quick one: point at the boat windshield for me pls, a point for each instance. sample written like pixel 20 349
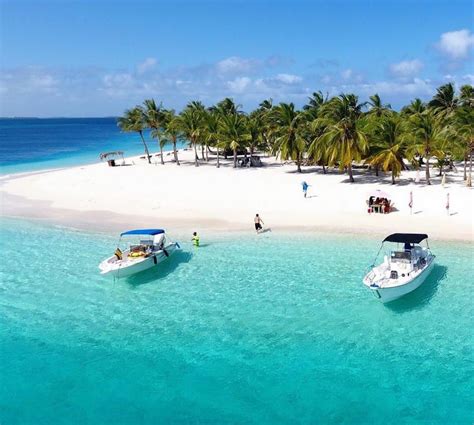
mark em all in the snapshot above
pixel 400 256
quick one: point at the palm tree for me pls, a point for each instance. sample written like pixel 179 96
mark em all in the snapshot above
pixel 211 133
pixel 318 151
pixel 171 130
pixel 153 118
pixel 426 132
pixel 466 96
pixel 132 121
pixel 289 142
pixel 416 106
pixel 233 132
pixel 315 102
pixel 377 108
pixel 445 100
pixel 463 129
pixel 345 137
pixel 255 130
pixel 190 122
pixel 388 146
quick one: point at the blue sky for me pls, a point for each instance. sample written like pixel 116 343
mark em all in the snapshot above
pixel 96 58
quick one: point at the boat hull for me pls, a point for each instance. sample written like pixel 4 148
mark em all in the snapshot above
pixel 132 267
pixel 393 293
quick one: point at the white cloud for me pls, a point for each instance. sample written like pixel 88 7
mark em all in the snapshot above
pixel 456 45
pixel 239 84
pixel 406 69
pixel 288 78
pixel 147 65
pixel 235 64
pixel 350 75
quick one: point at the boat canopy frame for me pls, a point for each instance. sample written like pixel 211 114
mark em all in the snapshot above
pixel 147 232
pixel 406 237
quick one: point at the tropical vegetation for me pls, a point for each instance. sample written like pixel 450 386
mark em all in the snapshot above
pixel 340 131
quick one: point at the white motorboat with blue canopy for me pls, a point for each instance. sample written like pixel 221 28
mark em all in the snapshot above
pixel 152 248
pixel 403 269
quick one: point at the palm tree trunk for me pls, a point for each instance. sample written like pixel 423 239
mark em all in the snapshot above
pixel 202 152
pixel 175 152
pixel 465 167
pixel 377 170
pixel 218 161
pixel 147 153
pixel 393 176
pixel 207 153
pixel 196 163
pixel 427 172
pixel 324 169
pixel 161 155
pixel 470 168
pixel 298 164
pixel 349 170
pixel 235 158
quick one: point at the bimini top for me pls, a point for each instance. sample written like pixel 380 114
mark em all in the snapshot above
pixel 143 232
pixel 406 237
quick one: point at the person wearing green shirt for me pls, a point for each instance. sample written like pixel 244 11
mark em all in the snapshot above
pixel 195 239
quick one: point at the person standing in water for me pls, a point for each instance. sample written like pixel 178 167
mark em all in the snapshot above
pixel 195 239
pixel 258 223
pixel 305 188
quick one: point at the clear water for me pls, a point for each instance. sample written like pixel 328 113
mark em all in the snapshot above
pixel 246 329
pixel 30 144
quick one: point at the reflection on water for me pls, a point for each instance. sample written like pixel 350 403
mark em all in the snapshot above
pixel 422 295
pixel 163 269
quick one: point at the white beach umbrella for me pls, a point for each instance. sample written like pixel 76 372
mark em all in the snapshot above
pixel 379 194
pixel 443 180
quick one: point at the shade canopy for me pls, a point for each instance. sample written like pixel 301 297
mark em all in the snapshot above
pixel 105 155
pixel 143 232
pixel 406 237
pixel 377 193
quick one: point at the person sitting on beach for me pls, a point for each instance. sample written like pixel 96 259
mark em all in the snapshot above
pixel 195 239
pixel 386 206
pixel 258 223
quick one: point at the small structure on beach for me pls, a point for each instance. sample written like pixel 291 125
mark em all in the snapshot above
pixel 111 157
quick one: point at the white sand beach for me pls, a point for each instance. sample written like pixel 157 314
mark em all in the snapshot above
pixel 205 198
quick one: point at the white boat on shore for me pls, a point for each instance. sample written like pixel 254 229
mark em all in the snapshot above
pixel 153 248
pixel 403 270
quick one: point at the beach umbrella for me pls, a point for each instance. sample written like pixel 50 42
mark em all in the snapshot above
pixel 410 204
pixel 447 203
pixel 417 178
pixel 379 194
pixel 443 180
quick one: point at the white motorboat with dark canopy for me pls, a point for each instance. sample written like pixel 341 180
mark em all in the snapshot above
pixel 403 270
pixel 153 247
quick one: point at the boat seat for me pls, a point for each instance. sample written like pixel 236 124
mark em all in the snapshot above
pixel 158 240
pixel 393 274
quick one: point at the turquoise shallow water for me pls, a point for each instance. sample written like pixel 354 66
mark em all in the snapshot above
pixel 246 329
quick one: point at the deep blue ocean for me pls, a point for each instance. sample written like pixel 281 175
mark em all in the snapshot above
pixel 29 144
pixel 246 329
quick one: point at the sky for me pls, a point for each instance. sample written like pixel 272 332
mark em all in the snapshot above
pixel 98 57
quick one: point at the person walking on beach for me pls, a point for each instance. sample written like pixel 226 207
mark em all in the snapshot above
pixel 195 239
pixel 258 223
pixel 305 188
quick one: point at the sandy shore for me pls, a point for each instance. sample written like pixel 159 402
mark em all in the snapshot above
pixel 187 198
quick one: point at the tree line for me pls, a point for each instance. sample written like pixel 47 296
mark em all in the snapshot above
pixel 327 131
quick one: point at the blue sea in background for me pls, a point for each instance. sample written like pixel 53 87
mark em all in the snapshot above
pixel 30 144
pixel 246 329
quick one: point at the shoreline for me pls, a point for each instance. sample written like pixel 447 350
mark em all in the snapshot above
pixel 206 199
